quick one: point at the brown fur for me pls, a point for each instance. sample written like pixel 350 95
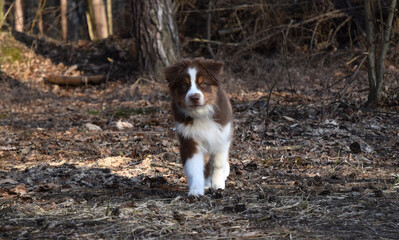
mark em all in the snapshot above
pixel 209 72
pixel 188 147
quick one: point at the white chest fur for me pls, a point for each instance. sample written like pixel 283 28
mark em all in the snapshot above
pixel 211 136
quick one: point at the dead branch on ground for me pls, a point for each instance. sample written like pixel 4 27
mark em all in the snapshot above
pixel 75 81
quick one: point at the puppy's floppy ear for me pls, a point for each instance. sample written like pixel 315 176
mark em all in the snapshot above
pixel 171 72
pixel 212 67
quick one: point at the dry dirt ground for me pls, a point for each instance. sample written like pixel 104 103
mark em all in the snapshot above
pixel 101 162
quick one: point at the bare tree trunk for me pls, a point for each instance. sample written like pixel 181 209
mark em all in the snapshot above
pixel 73 21
pixel 89 26
pixel 42 4
pixel 64 19
pixel 109 15
pixel 100 18
pixel 19 16
pixel 377 50
pixel 156 36
pixel 1 12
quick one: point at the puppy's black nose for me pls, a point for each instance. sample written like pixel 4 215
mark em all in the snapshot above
pixel 195 98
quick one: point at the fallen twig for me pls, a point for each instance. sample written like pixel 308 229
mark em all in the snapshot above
pixel 142 79
pixel 282 148
pixel 285 207
pixel 75 81
pixel 70 69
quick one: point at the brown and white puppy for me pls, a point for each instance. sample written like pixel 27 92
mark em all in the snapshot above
pixel 204 122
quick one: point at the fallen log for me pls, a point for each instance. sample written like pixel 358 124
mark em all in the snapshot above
pixel 75 81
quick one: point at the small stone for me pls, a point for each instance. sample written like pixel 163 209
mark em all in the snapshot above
pixel 355 147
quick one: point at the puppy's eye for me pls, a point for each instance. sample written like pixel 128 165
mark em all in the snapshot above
pixel 201 81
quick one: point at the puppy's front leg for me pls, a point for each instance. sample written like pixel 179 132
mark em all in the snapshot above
pixel 221 169
pixel 193 163
pixel 194 170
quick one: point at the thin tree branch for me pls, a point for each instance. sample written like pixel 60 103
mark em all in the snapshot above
pixel 348 83
pixel 215 42
pixel 385 44
pixel 208 29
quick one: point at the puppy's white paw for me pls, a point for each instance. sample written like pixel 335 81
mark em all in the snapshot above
pixel 196 191
pixel 218 183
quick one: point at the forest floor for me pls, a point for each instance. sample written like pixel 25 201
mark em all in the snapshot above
pixel 102 162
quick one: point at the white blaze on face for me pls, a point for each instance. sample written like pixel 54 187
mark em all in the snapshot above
pixel 193 88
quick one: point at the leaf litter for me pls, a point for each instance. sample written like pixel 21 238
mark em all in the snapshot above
pixel 102 162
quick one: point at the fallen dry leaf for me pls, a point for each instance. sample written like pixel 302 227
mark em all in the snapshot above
pixel 92 127
pixel 20 190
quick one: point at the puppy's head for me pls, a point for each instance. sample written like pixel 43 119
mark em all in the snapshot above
pixel 194 83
